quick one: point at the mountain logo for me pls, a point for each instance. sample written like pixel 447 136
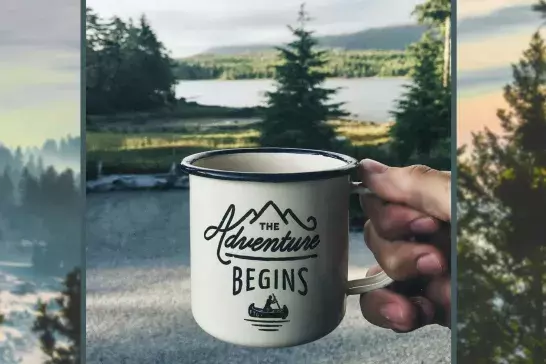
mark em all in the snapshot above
pixel 230 234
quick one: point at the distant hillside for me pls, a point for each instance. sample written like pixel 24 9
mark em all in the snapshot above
pixel 387 38
pixel 261 65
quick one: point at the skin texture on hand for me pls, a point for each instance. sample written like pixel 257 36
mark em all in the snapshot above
pixel 408 232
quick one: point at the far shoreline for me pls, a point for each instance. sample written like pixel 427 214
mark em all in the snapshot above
pixel 271 79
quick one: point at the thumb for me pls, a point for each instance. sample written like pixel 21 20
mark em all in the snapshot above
pixel 419 187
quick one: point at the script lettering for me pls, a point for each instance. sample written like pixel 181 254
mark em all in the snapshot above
pixel 231 235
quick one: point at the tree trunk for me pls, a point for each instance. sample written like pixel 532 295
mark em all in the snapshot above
pixel 447 51
pixel 538 350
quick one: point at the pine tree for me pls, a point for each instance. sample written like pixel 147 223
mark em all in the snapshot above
pixel 29 189
pixel 502 239
pixel 541 8
pixel 422 128
pixel 298 109
pixel 7 198
pixel 18 160
pixel 66 323
pixel 438 14
pixel 157 64
pixel 127 67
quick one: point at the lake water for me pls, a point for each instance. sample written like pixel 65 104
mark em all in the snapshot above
pixel 369 99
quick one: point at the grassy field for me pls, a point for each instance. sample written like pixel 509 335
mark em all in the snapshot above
pixel 152 147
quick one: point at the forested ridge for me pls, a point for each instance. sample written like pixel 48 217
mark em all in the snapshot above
pixel 259 65
pixel 41 204
pixel 396 37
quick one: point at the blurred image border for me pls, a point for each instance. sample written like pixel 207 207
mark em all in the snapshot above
pixel 454 180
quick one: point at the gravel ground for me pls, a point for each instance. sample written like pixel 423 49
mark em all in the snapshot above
pixel 138 297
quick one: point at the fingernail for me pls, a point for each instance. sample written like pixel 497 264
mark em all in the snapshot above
pixel 373 166
pixel 392 313
pixel 429 265
pixel 423 225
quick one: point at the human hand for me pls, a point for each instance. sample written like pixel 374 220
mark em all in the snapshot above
pixel 408 232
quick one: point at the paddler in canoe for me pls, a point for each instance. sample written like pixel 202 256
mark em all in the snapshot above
pixel 267 311
pixel 270 300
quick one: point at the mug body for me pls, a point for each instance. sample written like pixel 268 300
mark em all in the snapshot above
pixel 269 258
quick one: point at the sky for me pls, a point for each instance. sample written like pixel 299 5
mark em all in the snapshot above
pixel 485 55
pixel 503 31
pixel 189 27
pixel 39 71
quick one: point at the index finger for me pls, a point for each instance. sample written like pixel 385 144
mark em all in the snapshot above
pixel 395 221
pixel 420 187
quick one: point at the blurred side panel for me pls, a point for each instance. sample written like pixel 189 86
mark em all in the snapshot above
pixel 501 182
pixel 40 185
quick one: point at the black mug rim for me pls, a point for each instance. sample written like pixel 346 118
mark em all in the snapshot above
pixel 191 169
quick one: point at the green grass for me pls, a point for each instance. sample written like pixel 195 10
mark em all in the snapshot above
pixel 148 149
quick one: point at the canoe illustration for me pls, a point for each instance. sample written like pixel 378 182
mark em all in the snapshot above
pixel 267 311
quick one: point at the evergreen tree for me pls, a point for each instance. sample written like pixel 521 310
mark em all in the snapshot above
pixel 422 128
pixel 6 189
pixel 438 14
pixel 128 68
pixel 299 107
pixel 502 250
pixel 541 8
pixel 50 147
pixel 41 167
pixel 19 160
pixel 31 166
pixel 66 323
pixel 30 192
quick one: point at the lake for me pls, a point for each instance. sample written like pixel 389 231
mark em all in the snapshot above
pixel 368 99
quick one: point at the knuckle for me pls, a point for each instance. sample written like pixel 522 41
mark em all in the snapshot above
pixel 385 228
pixel 393 222
pixel 419 169
pixel 391 266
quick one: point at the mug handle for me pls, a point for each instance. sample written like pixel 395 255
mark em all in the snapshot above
pixel 377 281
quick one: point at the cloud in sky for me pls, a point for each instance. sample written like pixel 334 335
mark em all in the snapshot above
pixel 467 8
pixel 190 27
pixel 39 70
pixel 493 38
pixel 484 59
pixel 498 21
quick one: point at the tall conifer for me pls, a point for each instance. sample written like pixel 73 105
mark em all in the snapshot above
pixel 298 109
pixel 502 238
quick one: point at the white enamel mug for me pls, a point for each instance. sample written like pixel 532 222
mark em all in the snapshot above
pixel 269 244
